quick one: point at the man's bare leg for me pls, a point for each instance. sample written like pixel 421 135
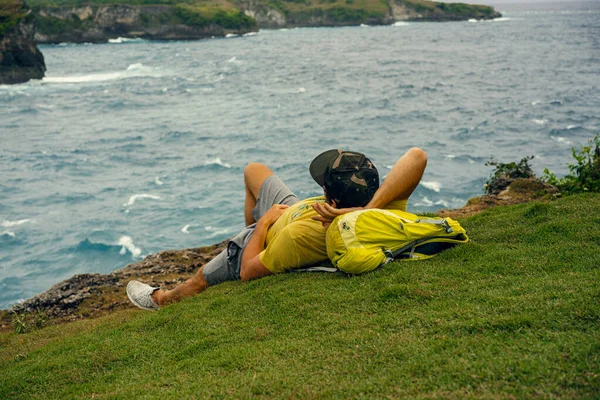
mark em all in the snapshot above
pixel 192 286
pixel 402 180
pixel 254 176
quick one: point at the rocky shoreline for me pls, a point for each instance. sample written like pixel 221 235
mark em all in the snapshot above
pixel 20 59
pixel 97 23
pixel 93 295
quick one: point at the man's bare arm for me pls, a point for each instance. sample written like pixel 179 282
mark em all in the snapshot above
pixel 251 267
pixel 398 185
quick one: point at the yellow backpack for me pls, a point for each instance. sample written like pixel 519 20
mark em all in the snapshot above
pixel 363 240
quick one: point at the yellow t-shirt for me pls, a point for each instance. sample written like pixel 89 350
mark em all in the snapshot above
pixel 295 240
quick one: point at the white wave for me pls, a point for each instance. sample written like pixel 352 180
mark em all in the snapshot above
pixel 128 245
pixel 472 20
pixel 8 233
pixel 540 121
pixel 219 232
pixel 185 229
pixel 400 23
pixel 450 156
pixel 136 66
pixel 232 60
pixel 471 161
pixel 573 127
pixel 428 203
pixel 124 40
pixel 301 90
pixel 158 181
pixel 134 70
pixel 230 35
pixel 535 103
pixel 10 224
pixel 432 185
pixel 251 34
pixel 283 30
pixel 217 161
pixel 561 140
pixel 364 26
pixel 501 19
pixel 136 197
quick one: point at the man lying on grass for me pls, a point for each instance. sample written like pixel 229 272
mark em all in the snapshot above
pixel 283 233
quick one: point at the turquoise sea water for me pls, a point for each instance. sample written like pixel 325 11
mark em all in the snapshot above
pixel 132 147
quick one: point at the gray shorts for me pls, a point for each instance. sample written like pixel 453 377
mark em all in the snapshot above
pixel 226 266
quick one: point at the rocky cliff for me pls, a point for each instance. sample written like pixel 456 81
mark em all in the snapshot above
pixel 94 295
pixel 20 59
pixel 99 22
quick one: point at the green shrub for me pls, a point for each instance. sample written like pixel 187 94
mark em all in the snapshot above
pixel 503 174
pixel 227 19
pixel 584 174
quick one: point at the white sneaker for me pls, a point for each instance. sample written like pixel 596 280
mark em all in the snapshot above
pixel 140 294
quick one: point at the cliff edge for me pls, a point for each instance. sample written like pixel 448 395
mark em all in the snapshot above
pixel 20 59
pixel 97 21
pixel 93 295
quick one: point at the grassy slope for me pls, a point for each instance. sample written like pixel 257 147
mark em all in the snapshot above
pixel 514 314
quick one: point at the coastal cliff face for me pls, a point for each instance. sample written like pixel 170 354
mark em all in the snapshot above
pixel 20 59
pixel 96 23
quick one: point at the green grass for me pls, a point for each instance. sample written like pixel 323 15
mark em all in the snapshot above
pixel 514 314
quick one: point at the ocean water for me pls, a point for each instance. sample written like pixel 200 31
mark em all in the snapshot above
pixel 132 147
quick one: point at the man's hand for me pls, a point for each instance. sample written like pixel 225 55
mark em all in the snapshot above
pixel 273 214
pixel 327 213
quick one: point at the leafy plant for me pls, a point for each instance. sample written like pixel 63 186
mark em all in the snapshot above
pixel 584 174
pixel 39 319
pixel 19 323
pixel 503 174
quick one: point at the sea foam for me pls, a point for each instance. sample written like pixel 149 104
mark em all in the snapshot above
pixel 560 139
pixel 10 224
pixel 432 185
pixel 425 201
pixel 217 161
pixel 124 40
pixel 185 229
pixel 133 70
pixel 128 245
pixel 136 197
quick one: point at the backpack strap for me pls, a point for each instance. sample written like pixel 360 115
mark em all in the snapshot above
pixel 442 222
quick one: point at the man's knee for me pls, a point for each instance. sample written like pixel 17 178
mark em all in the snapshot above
pixel 254 176
pixel 418 154
pixel 256 169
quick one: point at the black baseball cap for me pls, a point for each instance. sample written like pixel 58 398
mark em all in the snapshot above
pixel 348 177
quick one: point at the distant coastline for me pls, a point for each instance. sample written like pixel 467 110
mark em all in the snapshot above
pixel 71 21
